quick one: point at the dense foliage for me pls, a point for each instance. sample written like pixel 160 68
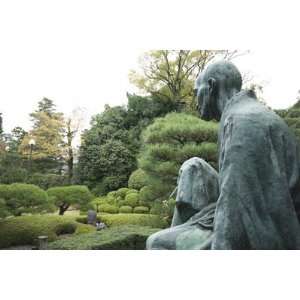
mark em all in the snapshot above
pixel 18 198
pixel 108 152
pixel 168 142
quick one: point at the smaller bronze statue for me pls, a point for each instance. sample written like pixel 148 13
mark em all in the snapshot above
pixel 192 223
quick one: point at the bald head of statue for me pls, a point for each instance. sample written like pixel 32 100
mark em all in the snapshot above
pixel 215 86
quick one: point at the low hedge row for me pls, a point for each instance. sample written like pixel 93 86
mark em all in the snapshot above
pixel 24 230
pixel 128 237
pixel 120 219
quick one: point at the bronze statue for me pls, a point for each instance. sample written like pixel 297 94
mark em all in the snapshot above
pixel 259 179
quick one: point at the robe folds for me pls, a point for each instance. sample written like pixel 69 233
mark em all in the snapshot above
pixel 259 179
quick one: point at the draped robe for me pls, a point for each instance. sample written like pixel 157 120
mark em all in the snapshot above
pixel 259 179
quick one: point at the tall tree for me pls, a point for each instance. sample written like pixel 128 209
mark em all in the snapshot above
pixel 170 74
pixel 48 133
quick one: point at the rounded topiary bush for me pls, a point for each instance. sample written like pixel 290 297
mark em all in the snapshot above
pixel 130 191
pixel 147 194
pixel 107 208
pixel 125 209
pixel 122 192
pixel 24 198
pixel 132 200
pixel 138 179
pixel 65 228
pixel 141 210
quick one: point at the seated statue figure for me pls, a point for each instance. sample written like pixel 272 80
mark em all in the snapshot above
pixel 254 200
pixel 192 223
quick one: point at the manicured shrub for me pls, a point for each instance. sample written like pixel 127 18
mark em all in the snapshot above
pixel 134 219
pixel 132 199
pixel 112 194
pixel 25 198
pixel 130 191
pixel 66 196
pixel 111 220
pixel 24 230
pixel 125 209
pixel 107 208
pixel 122 192
pixel 138 179
pixel 141 210
pixel 168 142
pixel 127 237
pixel 96 202
pixel 65 228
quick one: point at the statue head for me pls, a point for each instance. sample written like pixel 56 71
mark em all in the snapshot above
pixel 215 86
pixel 198 186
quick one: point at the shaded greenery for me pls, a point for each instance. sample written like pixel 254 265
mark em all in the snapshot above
pixel 24 230
pixel 116 238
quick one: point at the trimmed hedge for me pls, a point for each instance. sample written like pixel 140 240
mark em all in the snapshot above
pixel 117 238
pixel 112 220
pixel 24 230
pixel 125 209
pixel 141 210
pixel 107 208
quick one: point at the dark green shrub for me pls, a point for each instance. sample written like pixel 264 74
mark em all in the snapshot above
pixel 148 194
pixel 125 209
pixel 107 208
pixel 131 199
pixel 137 179
pixel 24 230
pixel 66 196
pixel 141 210
pixel 127 237
pixel 168 142
pixel 25 198
pixel 65 228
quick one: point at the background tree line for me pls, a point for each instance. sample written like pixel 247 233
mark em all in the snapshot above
pixel 142 143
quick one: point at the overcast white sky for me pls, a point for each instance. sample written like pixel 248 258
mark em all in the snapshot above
pixel 71 53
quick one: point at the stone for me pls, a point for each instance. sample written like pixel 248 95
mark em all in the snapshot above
pixel 91 217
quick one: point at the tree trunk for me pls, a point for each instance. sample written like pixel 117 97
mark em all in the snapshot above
pixel 62 209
